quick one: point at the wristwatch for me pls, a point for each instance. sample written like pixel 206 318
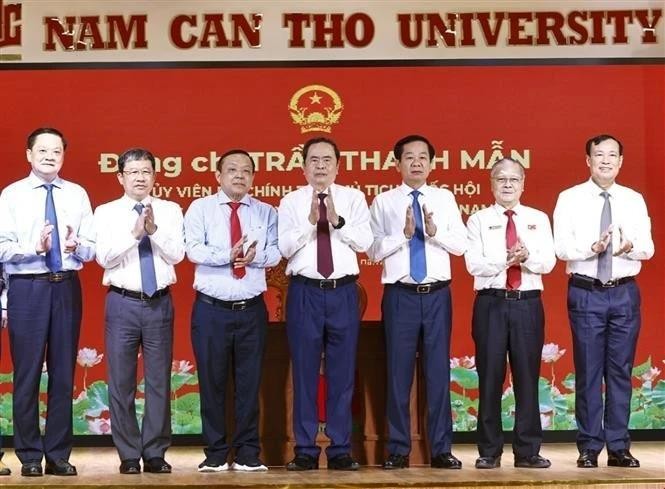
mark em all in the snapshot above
pixel 340 222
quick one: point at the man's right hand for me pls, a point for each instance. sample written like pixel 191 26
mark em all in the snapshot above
pixel 236 251
pixel 45 239
pixel 139 226
pixel 603 242
pixel 314 208
pixel 409 223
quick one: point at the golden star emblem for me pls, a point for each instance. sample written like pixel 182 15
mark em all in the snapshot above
pixel 315 99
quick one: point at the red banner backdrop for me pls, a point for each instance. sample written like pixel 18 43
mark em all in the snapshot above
pixel 540 114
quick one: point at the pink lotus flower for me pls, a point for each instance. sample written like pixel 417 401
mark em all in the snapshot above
pixel 551 353
pixel 546 420
pixel 650 375
pixel 100 426
pixel 181 366
pixel 464 362
pixel 88 357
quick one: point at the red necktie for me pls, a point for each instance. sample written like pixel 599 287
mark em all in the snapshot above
pixel 236 235
pixel 324 261
pixel 514 273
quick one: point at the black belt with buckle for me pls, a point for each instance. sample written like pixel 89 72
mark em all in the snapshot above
pixel 140 296
pixel 326 283
pixel 589 283
pixel 232 305
pixel 422 288
pixel 49 276
pixel 511 295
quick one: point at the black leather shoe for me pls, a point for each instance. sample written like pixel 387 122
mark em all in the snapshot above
pixel 343 462
pixel 621 458
pixel 395 461
pixel 31 469
pixel 532 462
pixel 445 461
pixel 588 459
pixel 60 467
pixel 488 462
pixel 156 465
pixel 303 462
pixel 130 466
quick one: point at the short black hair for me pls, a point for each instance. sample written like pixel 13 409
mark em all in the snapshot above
pixel 135 154
pixel 398 150
pixel 596 140
pixel 313 141
pixel 235 152
pixel 45 130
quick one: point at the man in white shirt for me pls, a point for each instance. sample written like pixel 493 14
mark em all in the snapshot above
pixel 4 470
pixel 510 247
pixel 603 232
pixel 232 239
pixel 415 228
pixel 46 234
pixel 140 239
pixel 321 228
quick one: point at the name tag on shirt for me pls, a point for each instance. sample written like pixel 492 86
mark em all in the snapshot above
pixel 497 226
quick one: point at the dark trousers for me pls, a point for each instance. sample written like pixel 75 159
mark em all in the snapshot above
pixel 132 324
pixel 605 324
pixel 224 338
pixel 514 327
pixel 44 322
pixel 408 317
pixel 322 320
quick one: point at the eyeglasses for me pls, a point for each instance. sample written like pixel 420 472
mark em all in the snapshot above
pixel 136 173
pixel 511 181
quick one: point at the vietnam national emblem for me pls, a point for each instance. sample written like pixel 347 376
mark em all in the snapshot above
pixel 315 108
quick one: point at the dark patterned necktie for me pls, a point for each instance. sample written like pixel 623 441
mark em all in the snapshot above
pixel 324 260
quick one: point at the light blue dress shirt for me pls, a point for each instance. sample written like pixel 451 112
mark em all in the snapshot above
pixel 22 217
pixel 208 245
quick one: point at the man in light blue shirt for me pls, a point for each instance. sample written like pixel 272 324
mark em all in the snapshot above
pixel 232 239
pixel 46 233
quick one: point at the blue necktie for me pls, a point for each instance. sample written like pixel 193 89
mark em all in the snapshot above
pixel 148 277
pixel 418 268
pixel 53 256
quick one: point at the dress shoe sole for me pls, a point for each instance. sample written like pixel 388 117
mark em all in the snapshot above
pixel 31 474
pixel 617 463
pixel 62 474
pixel 530 466
pixel 484 466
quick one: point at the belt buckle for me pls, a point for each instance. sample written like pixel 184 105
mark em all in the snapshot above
pixel 610 283
pixel 56 277
pixel 513 295
pixel 239 306
pixel 423 288
pixel 328 283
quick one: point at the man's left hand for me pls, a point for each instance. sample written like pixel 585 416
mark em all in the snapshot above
pixel 331 213
pixel 430 227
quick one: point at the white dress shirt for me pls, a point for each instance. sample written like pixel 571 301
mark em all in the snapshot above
pixel 487 253
pixel 118 250
pixel 22 217
pixel 577 228
pixel 390 245
pixel 297 236
pixel 208 243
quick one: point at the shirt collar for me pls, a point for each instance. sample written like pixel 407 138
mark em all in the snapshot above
pixel 501 209
pixel 406 190
pixel 36 182
pixel 129 202
pixel 595 190
pixel 324 191
pixel 224 199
